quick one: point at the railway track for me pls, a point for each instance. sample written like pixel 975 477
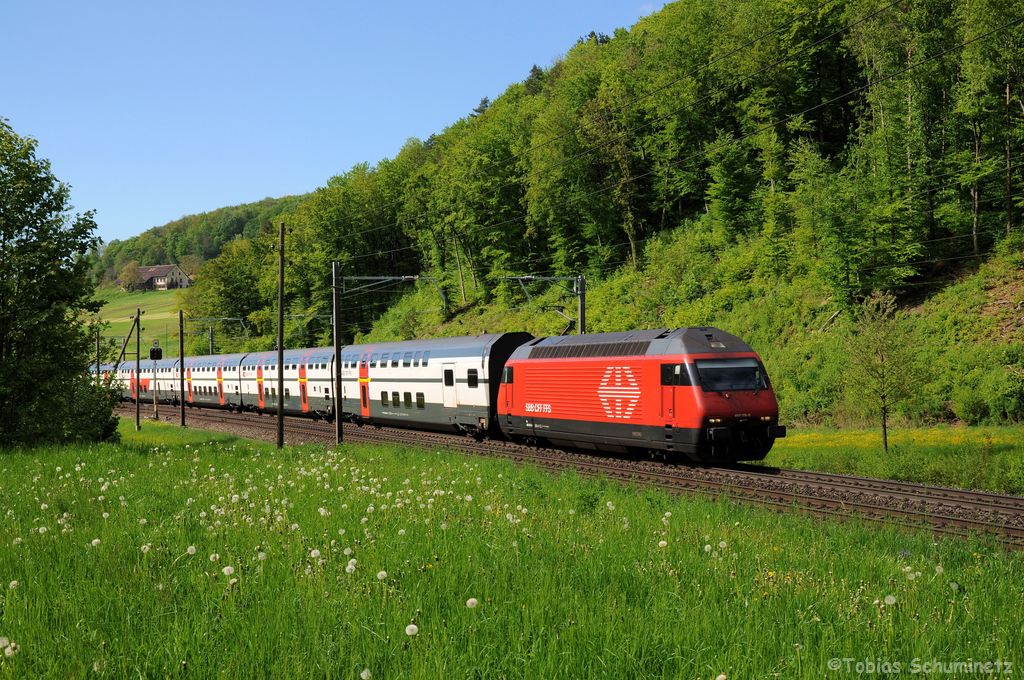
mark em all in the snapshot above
pixel 950 512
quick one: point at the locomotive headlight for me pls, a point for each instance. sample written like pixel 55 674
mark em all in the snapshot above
pixel 766 418
pixel 714 420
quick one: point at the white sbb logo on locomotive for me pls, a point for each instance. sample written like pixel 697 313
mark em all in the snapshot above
pixel 618 392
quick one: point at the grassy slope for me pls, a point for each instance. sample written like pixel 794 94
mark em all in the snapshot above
pixel 569 574
pixel 159 319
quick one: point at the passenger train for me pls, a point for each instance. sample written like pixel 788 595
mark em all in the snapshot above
pixel 695 392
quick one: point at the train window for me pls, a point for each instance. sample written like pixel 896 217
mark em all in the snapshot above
pixel 449 377
pixel 384 399
pixel 408 399
pixel 373 360
pixel 384 360
pixel 394 399
pixel 471 378
pixel 394 360
pixel 287 393
pixel 407 359
pixel 273 391
pixel 682 376
pixel 506 375
pixel 420 401
pixel 426 359
pixel 667 375
pixel 416 358
pixel 266 391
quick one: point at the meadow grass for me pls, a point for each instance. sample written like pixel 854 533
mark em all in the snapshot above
pixel 989 458
pixel 572 577
pixel 159 321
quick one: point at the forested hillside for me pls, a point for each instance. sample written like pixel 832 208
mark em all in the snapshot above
pixel 191 240
pixel 757 165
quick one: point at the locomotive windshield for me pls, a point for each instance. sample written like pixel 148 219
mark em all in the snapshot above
pixel 728 375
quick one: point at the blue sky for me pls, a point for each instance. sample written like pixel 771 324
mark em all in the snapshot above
pixel 152 111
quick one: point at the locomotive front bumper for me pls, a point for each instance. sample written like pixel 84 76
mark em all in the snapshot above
pixel 743 432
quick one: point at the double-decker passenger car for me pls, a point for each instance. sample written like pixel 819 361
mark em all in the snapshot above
pixel 699 391
pixel 441 384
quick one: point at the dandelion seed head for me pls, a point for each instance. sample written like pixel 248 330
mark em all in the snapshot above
pixel 954 585
pixel 890 600
pixel 95 542
pixel 314 553
pixel 145 548
pixel 261 556
pixel 707 547
pixel 723 545
pixel 214 557
pixel 366 674
pixel 412 629
pixel 401 532
pixel 350 569
pixel 13 585
pixel 471 603
pixel 938 569
pixel 191 550
pixel 228 570
pixel 662 544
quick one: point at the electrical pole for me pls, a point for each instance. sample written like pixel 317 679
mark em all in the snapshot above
pixel 579 289
pixel 280 339
pixel 336 328
pixel 138 369
pixel 581 292
pixel 181 363
pixel 211 340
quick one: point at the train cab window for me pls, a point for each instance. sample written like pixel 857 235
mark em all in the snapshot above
pixel 449 377
pixel 384 399
pixel 394 399
pixel 471 378
pixel 506 375
pixel 408 399
pixel 373 360
pixel 426 359
pixel 416 359
pixel 674 374
pixel 384 360
pixel 421 402
pixel 407 359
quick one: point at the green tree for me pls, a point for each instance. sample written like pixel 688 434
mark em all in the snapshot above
pixel 45 291
pixel 880 372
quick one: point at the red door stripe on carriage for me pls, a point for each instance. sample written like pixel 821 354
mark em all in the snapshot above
pixel 259 386
pixel 303 395
pixel 220 385
pixel 364 385
pixel 188 379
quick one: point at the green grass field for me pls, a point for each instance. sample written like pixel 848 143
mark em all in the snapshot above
pixel 159 320
pixel 186 553
pixel 989 458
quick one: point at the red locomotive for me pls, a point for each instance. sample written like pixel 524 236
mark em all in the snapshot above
pixel 697 391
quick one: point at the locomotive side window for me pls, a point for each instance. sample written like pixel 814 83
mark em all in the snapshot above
pixel 506 375
pixel 471 378
pixel 666 374
pixel 674 374
pixel 449 377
